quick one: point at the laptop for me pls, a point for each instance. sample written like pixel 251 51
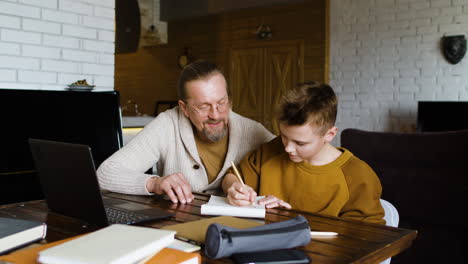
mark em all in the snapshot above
pixel 70 186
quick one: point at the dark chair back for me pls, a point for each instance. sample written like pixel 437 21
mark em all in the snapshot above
pixel 425 176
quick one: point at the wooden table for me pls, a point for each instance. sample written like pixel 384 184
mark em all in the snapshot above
pixel 357 242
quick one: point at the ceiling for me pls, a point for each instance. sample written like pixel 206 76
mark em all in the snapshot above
pixel 172 10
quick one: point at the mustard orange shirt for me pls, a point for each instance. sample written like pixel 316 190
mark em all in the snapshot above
pixel 346 187
pixel 212 155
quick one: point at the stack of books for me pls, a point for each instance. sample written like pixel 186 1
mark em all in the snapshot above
pixel 15 233
pixel 115 244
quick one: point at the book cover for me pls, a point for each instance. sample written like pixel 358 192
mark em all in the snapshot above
pixel 174 256
pixel 29 255
pixel 15 233
pixel 184 246
pixel 116 244
pixel 195 231
pixel 218 205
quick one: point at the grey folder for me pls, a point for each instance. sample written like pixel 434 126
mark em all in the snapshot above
pixel 70 186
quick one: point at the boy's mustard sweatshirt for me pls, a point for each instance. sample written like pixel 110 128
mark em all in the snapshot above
pixel 346 187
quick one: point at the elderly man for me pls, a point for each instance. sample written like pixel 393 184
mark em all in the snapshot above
pixel 192 145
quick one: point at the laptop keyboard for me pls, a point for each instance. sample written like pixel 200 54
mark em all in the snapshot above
pixel 119 216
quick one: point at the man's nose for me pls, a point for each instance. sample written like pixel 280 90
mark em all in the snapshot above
pixel 213 113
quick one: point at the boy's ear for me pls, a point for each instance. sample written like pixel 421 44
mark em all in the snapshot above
pixel 330 134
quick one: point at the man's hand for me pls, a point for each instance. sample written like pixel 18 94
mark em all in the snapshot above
pixel 271 201
pixel 174 185
pixel 241 195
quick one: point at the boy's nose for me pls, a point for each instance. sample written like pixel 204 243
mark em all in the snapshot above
pixel 288 148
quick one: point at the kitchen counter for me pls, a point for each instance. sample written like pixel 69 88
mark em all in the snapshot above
pixel 132 125
pixel 136 121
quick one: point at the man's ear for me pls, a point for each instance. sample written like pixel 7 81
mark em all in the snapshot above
pixel 183 106
pixel 330 134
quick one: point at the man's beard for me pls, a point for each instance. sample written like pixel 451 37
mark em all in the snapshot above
pixel 217 134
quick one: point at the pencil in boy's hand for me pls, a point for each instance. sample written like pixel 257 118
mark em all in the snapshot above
pixel 237 173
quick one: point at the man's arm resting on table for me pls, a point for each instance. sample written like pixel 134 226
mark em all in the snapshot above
pixel 174 185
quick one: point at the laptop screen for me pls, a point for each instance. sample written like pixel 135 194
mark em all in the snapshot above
pixel 70 185
pixel 68 179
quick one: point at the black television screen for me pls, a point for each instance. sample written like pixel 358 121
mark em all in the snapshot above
pixel 442 116
pixel 90 118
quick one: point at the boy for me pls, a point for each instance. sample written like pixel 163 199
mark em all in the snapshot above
pixel 300 169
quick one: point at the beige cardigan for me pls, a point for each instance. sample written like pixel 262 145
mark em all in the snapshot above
pixel 168 141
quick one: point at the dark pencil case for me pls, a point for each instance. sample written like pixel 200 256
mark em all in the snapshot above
pixel 223 241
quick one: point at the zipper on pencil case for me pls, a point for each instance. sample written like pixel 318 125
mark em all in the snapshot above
pixel 227 234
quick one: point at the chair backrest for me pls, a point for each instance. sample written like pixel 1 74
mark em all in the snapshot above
pixel 420 172
pixel 391 213
pixel 425 176
pixel 391 217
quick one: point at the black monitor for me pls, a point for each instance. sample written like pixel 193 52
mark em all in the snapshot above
pixel 442 116
pixel 83 117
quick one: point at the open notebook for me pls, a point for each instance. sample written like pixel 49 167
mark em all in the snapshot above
pixel 218 205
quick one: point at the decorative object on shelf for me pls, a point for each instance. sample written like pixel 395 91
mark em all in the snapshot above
pixel 164 105
pixel 454 48
pixel 264 32
pixel 131 109
pixel 81 85
pixel 185 58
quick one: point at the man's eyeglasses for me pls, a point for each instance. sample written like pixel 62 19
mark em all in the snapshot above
pixel 204 110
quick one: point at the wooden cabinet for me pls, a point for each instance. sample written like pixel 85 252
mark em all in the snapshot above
pixel 260 74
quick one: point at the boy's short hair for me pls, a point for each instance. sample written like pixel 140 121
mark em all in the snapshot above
pixel 197 70
pixel 310 102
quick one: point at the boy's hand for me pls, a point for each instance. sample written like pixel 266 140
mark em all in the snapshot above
pixel 271 201
pixel 241 195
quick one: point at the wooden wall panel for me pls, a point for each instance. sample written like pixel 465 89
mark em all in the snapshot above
pixel 151 73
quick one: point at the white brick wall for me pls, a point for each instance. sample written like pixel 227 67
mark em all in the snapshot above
pixel 385 56
pixel 47 44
